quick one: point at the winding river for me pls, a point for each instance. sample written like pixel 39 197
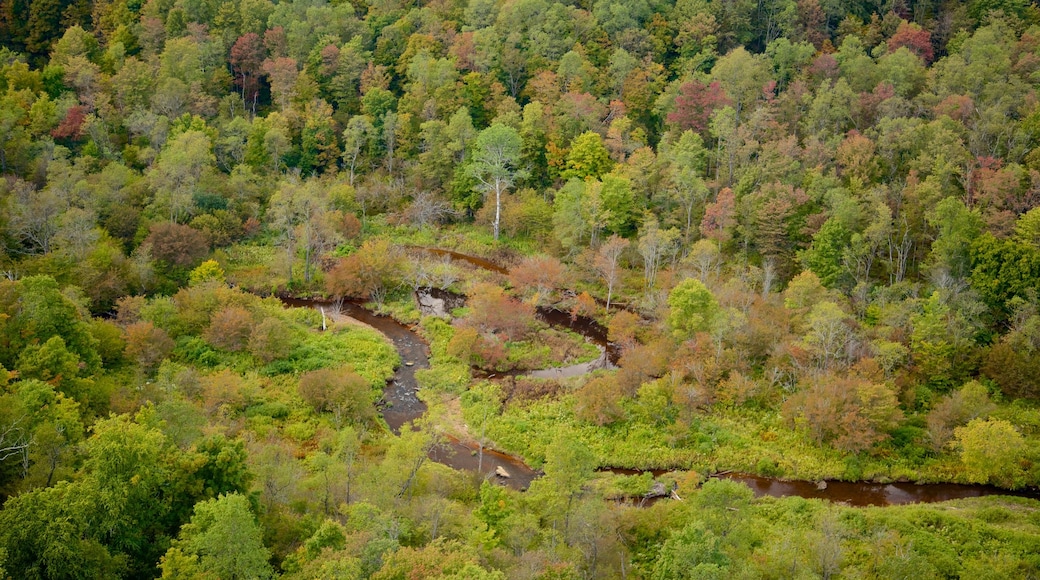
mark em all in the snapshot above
pixel 401 405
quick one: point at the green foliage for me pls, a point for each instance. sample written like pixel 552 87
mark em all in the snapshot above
pixel 224 536
pixel 958 228
pixel 991 451
pixel 206 272
pixel 693 309
pixel 825 256
pixel 136 135
pixel 587 158
pixel 1003 271
pixel 363 350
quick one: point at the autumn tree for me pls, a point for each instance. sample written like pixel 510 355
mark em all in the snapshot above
pixel 371 271
pixel 230 328
pixel 147 344
pixel 270 340
pixel 492 311
pixel 342 392
pixel 694 105
pixel 247 56
pixel 956 409
pixel 852 414
pixel 538 276
pixel 176 245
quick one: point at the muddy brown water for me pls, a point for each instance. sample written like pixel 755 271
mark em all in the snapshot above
pixel 861 494
pixel 401 404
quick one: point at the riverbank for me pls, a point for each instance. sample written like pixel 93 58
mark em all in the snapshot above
pixel 402 404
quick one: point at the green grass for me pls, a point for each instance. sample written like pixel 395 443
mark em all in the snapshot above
pixel 363 349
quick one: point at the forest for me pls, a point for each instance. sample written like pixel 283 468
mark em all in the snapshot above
pixel 533 289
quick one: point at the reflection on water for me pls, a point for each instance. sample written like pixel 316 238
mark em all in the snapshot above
pixel 865 493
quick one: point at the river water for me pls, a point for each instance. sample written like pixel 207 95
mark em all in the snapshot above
pixel 401 404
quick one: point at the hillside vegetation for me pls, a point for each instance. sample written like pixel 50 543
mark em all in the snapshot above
pixel 810 230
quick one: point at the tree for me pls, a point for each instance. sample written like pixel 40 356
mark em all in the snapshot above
pixel 230 328
pixel 356 138
pixel 694 105
pixel 912 36
pixel 38 311
pixel 35 215
pixel 825 256
pixel 830 336
pixel 687 162
pixel 342 392
pixel 496 155
pixel 370 272
pixel 319 148
pixel 693 553
pixel 991 450
pixel 956 409
pixel 282 72
pixel 957 227
pixel 743 77
pixel 177 175
pixel 176 245
pixel 147 344
pixel 851 414
pixel 300 212
pixel 208 271
pixel 247 56
pixel 271 340
pixel 226 540
pixel 1003 272
pixel 607 262
pixel 693 309
pixel 538 276
pixel 568 465
pixel 655 245
pixel 588 157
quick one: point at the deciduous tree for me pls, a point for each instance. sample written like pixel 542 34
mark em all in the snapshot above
pixel 496 157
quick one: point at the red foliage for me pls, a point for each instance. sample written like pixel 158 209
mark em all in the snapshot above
pixel 642 363
pixel 491 311
pixel 250 227
pixel 147 344
pixel 329 59
pixel 1001 195
pixel 719 216
pixel 956 107
pixel 177 245
pixel 824 66
pixel 464 50
pixel 71 127
pixel 538 275
pixel 912 36
pixel 694 105
pixel 247 54
pixel 276 42
pixel 230 328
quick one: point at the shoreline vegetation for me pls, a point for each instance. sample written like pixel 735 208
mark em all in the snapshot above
pixel 641 289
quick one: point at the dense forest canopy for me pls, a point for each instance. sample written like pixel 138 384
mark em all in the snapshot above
pixel 810 230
